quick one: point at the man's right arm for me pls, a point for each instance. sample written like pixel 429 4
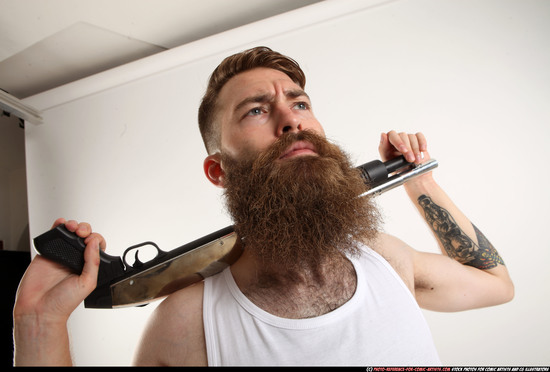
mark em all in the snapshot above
pixel 469 273
pixel 46 297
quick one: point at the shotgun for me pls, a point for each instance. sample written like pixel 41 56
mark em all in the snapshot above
pixel 122 284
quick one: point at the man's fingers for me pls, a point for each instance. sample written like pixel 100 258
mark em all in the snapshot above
pixel 83 230
pixel 401 142
pixel 411 146
pixel 88 278
pixel 422 143
pixel 100 239
pixel 71 225
pixel 415 148
pixel 58 222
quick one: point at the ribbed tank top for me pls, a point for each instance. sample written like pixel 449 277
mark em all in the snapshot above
pixel 381 325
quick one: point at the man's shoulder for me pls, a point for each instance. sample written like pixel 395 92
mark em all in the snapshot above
pixel 188 297
pixel 174 334
pixel 389 245
pixel 398 254
pixel 181 309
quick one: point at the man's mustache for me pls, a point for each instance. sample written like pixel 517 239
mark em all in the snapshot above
pixel 276 150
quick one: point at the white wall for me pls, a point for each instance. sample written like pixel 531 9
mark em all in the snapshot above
pixel 122 149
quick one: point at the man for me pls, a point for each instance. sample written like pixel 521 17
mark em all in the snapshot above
pixel 317 282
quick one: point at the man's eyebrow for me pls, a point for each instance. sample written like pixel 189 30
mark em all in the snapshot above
pixel 295 93
pixel 254 99
pixel 267 97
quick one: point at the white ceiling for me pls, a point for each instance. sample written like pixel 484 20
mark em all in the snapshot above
pixel 47 43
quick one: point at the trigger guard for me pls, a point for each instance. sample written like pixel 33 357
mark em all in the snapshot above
pixel 137 262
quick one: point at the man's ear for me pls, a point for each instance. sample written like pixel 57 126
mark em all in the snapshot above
pixel 213 169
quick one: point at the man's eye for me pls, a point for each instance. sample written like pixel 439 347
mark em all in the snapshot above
pixel 254 111
pixel 301 106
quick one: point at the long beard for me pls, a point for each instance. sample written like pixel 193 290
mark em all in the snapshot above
pixel 298 212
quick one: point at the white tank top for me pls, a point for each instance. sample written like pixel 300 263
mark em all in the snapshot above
pixel 381 325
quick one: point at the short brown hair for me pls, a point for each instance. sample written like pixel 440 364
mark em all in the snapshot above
pixel 231 66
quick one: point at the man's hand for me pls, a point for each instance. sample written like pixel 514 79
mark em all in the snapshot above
pixel 47 295
pixel 413 146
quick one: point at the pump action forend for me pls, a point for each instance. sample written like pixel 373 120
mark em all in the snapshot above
pixel 121 284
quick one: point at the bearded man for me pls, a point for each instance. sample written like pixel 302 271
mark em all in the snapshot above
pixel 317 282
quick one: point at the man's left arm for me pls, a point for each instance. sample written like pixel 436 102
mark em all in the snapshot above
pixel 476 275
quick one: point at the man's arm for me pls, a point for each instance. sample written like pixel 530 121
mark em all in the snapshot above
pixel 475 276
pixel 456 243
pixel 46 297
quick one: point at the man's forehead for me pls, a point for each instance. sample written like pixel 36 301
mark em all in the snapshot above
pixel 256 81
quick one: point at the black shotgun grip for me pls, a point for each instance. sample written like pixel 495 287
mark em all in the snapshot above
pixel 62 246
pixel 65 247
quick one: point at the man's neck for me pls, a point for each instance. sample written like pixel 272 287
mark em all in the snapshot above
pixel 296 294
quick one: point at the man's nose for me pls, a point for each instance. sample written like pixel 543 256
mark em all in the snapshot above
pixel 287 121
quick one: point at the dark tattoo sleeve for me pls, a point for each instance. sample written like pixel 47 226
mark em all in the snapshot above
pixel 456 243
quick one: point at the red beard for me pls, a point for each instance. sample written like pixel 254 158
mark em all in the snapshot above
pixel 298 212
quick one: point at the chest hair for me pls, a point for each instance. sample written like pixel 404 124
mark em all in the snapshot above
pixel 306 294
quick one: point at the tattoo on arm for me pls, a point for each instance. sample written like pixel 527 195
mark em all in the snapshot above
pixel 456 243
